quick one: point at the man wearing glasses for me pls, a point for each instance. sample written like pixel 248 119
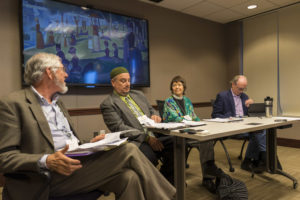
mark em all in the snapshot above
pixel 36 132
pixel 235 103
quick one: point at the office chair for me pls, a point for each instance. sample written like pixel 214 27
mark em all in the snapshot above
pixel 1 180
pixel 221 140
pixel 190 143
pixel 160 107
pixel 255 110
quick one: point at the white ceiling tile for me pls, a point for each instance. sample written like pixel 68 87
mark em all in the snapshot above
pixel 283 2
pixel 228 14
pixel 174 4
pixel 222 11
pixel 203 9
pixel 225 16
pixel 227 3
pixel 179 4
pixel 262 6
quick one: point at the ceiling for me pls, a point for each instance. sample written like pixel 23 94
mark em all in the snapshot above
pixel 222 11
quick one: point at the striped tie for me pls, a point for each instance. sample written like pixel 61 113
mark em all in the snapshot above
pixel 133 108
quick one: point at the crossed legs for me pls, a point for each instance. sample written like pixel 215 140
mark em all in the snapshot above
pixel 123 170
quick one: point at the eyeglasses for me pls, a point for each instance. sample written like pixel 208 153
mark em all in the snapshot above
pixel 62 68
pixel 241 89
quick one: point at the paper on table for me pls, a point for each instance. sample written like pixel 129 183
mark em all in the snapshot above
pixel 111 140
pixel 223 120
pixel 288 118
pixel 193 123
pixel 149 123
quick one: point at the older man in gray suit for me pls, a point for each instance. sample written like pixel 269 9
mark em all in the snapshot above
pixel 120 111
pixel 35 133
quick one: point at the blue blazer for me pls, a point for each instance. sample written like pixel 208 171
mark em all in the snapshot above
pixel 224 105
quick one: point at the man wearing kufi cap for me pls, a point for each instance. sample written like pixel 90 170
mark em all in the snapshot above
pixel 120 112
pixel 36 133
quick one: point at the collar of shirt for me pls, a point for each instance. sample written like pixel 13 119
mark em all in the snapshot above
pixel 42 99
pixel 234 94
pixel 115 92
pixel 123 97
pixel 238 105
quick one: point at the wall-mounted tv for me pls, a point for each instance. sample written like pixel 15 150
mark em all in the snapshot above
pixel 89 42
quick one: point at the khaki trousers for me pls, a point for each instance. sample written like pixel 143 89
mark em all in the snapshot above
pixel 123 170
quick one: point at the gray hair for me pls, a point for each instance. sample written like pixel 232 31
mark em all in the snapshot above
pixel 37 64
pixel 236 79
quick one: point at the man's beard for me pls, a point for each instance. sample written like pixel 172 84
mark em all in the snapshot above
pixel 61 85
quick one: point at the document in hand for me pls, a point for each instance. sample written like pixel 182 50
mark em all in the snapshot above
pixel 110 141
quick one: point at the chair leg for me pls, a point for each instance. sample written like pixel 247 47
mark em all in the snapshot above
pixel 215 141
pixel 242 150
pixel 231 169
pixel 188 150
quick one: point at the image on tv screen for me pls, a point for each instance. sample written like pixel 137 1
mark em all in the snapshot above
pixel 89 42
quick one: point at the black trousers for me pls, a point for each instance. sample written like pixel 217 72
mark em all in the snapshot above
pixel 166 156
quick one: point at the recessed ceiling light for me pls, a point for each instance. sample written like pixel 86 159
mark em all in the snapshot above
pixel 252 6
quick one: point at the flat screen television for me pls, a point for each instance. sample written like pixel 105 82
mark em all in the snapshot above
pixel 89 42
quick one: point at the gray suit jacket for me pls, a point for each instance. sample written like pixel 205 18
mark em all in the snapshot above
pixel 25 138
pixel 118 117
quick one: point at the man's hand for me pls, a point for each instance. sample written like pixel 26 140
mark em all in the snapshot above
pixel 248 102
pixel 98 137
pixel 62 164
pixel 156 118
pixel 155 144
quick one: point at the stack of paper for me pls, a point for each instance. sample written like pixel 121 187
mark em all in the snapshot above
pixel 193 123
pixel 149 123
pixel 111 140
pixel 223 120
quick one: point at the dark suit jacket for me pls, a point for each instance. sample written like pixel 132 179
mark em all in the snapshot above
pixel 118 117
pixel 224 105
pixel 25 138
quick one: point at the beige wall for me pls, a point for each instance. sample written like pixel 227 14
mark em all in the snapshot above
pixel 10 70
pixel 260 57
pixel 233 42
pixel 273 40
pixel 179 44
pixel 289 62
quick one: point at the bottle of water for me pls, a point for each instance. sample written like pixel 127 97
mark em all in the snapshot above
pixel 269 106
